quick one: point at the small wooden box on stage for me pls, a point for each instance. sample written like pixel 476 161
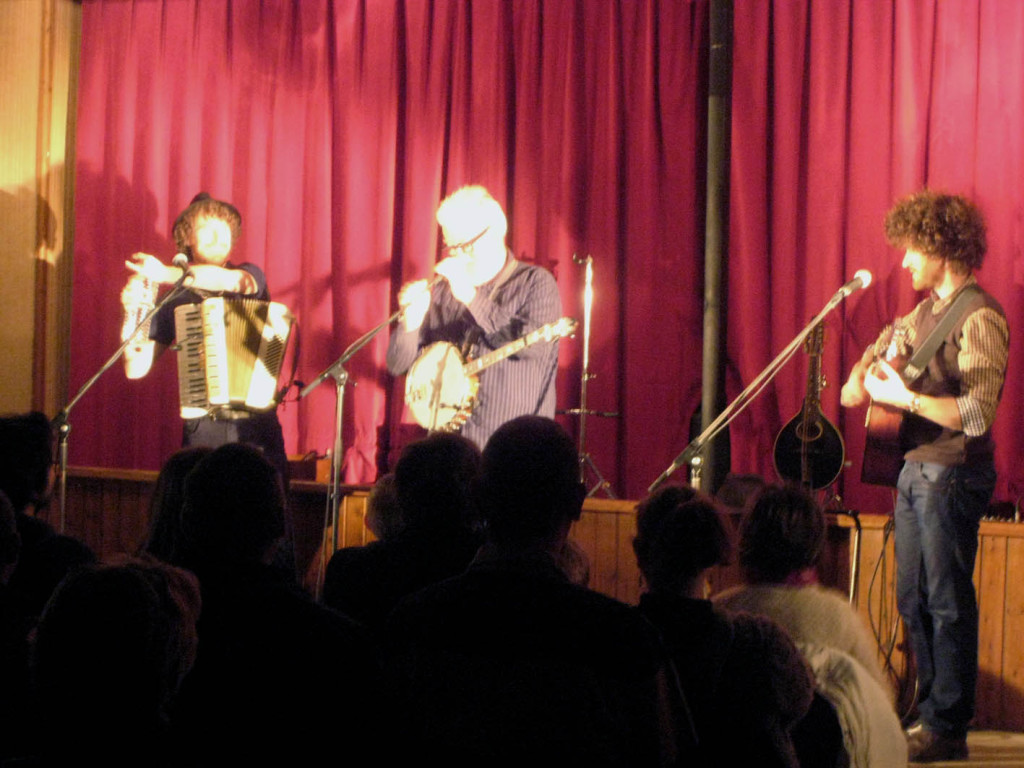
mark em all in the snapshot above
pixel 230 355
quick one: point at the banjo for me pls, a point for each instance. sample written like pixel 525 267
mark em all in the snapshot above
pixel 441 387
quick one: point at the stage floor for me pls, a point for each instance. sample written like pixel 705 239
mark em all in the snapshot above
pixel 992 749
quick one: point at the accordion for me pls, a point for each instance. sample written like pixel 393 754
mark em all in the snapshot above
pixel 230 353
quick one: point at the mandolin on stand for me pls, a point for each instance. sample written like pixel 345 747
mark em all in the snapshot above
pixel 809 449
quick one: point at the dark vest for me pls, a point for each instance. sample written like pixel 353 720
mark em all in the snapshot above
pixel 925 440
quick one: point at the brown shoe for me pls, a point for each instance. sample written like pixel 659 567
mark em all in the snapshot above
pixel 913 731
pixel 926 746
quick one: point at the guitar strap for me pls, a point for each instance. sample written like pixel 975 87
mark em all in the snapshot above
pixel 927 350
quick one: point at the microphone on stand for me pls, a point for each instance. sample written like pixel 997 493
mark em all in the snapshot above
pixel 861 279
pixel 180 261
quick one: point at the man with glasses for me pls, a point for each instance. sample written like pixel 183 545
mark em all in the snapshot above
pixel 486 300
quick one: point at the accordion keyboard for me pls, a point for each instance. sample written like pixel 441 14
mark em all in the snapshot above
pixel 241 346
pixel 188 328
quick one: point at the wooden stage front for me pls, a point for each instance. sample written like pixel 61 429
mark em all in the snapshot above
pixel 108 509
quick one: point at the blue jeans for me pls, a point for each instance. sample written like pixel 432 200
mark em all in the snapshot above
pixel 938 509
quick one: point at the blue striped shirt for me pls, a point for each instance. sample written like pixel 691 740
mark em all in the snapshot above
pixel 500 312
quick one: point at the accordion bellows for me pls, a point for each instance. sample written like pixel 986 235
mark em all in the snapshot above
pixel 230 353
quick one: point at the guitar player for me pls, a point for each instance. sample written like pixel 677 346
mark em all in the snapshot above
pixel 948 474
pixel 485 300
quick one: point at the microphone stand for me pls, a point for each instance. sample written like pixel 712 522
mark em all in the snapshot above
pixel 61 423
pixel 586 460
pixel 336 371
pixel 693 453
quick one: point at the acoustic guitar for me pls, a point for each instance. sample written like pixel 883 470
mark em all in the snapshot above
pixel 441 387
pixel 809 449
pixel 883 453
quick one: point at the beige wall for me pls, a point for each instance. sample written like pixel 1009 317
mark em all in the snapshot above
pixel 39 44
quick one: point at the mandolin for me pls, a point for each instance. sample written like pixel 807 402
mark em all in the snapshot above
pixel 809 449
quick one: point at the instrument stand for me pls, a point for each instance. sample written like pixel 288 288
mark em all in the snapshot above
pixel 61 422
pixel 586 460
pixel 336 371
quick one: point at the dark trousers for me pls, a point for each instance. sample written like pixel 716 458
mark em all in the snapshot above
pixel 938 509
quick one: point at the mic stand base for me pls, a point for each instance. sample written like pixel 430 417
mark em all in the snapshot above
pixel 600 484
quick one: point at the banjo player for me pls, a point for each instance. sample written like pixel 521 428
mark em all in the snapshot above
pixel 485 299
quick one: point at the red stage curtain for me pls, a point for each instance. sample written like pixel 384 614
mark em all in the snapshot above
pixel 838 109
pixel 335 127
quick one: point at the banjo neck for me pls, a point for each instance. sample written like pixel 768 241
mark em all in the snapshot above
pixel 562 327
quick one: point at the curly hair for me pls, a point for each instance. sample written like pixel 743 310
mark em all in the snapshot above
pixel 948 226
pixel 782 533
pixel 203 205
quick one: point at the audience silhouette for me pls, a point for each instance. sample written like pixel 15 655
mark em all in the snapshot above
pixel 26 476
pixel 109 654
pixel 745 682
pixel 434 487
pixel 510 663
pixel 167 501
pixel 275 673
pixel 465 633
pixel 782 536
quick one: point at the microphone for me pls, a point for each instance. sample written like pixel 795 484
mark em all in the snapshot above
pixel 861 279
pixel 180 261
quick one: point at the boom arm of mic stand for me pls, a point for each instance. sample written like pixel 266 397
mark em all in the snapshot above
pixel 691 454
pixel 355 346
pixel 61 421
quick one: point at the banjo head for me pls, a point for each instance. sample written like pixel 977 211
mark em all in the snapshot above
pixel 437 390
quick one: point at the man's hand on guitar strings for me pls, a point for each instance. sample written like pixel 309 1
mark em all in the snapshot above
pixel 885 386
pixel 853 393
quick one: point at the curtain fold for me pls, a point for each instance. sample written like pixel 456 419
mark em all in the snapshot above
pixel 840 108
pixel 336 126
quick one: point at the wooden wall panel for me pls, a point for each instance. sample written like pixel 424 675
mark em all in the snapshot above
pixel 1011 711
pixel 990 578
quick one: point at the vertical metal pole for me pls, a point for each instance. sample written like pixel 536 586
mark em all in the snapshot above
pixel 716 236
pixel 588 303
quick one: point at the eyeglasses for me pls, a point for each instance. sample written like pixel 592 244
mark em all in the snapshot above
pixel 466 245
